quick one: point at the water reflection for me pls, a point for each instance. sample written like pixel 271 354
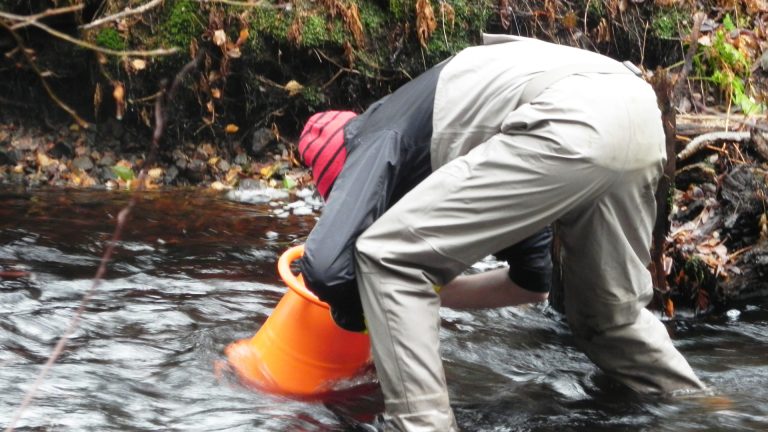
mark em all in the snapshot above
pixel 195 272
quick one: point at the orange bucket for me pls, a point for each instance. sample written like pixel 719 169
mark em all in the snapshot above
pixel 299 351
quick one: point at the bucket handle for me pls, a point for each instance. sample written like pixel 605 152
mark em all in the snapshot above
pixel 295 282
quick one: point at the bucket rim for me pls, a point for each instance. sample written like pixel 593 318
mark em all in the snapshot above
pixel 290 279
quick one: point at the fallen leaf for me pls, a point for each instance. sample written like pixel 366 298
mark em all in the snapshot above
pixel 293 87
pixel 138 65
pixel 119 94
pixel 43 160
pixel 155 173
pixel 123 172
pixel 242 37
pixel 217 185
pixel 669 308
pixel 219 37
pixel 289 183
pixel 234 53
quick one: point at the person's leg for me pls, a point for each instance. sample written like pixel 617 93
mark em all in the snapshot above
pixel 497 195
pixel 606 253
pixel 556 163
pixel 605 307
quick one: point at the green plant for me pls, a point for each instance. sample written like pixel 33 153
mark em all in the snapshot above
pixel 111 39
pixel 729 69
pixel 183 23
pixel 669 23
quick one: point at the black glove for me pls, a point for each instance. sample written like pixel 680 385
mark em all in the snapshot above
pixel 346 308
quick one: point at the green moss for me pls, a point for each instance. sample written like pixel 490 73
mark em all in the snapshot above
pixel 314 97
pixel 316 31
pixel 270 22
pixel 402 9
pixel 183 23
pixel 670 23
pixel 470 20
pixel 372 16
pixel 111 39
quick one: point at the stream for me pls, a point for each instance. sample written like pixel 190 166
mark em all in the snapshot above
pixel 195 271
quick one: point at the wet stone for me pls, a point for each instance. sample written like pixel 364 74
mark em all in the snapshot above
pixel 61 149
pixel 82 163
pixel 241 159
pixel 106 160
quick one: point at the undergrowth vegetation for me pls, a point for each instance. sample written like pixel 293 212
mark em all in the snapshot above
pixel 270 63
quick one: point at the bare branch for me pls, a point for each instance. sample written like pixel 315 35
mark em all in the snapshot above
pixel 127 12
pixel 78 42
pixel 258 3
pixel 51 94
pixel 698 20
pixel 25 20
pixel 701 141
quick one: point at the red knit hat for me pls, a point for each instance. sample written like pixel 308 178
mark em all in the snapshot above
pixel 321 147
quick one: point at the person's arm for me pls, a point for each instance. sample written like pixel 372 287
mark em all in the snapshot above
pixel 358 197
pixel 490 289
pixel 527 280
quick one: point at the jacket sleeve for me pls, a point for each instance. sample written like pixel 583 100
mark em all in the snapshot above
pixel 530 261
pixel 358 197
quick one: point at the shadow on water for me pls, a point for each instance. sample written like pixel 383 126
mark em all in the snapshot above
pixel 195 272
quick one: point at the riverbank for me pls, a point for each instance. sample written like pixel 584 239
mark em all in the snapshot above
pixel 39 154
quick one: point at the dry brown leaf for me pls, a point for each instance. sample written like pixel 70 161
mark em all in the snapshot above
pixel 355 26
pixel 503 13
pixel 155 173
pixel 234 52
pixel 603 31
pixel 216 93
pixel 233 174
pixel 570 20
pixel 293 87
pixel 242 37
pixel 425 21
pixel 669 308
pixel 207 149
pixel 97 99
pixel 219 37
pixel 219 186
pixel 43 160
pixel 119 95
pixel 138 64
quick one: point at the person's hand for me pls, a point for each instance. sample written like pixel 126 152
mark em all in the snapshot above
pixel 347 310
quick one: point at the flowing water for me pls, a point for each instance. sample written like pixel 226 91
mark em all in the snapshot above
pixel 195 271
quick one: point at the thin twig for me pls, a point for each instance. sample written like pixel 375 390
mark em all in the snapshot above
pixel 698 20
pixel 161 105
pixel 78 42
pixel 127 12
pixel 48 89
pixel 259 3
pixel 25 20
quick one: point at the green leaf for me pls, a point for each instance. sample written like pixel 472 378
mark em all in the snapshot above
pixel 123 173
pixel 728 23
pixel 289 183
